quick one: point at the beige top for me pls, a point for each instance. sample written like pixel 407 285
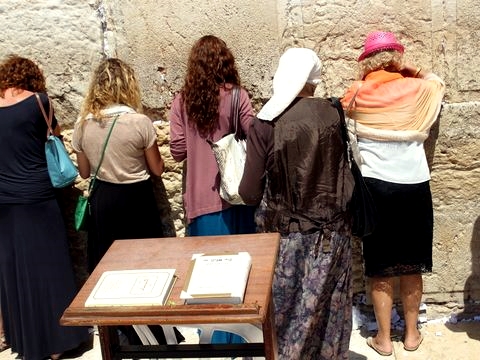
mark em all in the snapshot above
pixel 124 161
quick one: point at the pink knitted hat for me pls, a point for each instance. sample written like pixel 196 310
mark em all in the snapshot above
pixel 379 41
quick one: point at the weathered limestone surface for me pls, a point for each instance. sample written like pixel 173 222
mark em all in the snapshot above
pixel 64 37
pixel 69 37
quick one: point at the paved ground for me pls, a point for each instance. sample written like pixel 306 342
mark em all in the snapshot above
pixel 459 341
pixel 443 341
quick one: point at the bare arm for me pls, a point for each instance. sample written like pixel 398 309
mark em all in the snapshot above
pixel 83 165
pixel 413 71
pixel 57 131
pixel 154 160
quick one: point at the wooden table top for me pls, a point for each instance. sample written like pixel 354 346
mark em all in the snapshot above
pixel 176 253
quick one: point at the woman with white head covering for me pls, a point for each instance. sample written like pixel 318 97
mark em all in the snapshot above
pixel 296 161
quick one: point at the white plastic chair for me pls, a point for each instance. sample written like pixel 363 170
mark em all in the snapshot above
pixel 251 333
pixel 147 338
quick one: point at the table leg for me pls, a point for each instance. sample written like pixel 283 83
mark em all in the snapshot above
pixel 270 334
pixel 108 341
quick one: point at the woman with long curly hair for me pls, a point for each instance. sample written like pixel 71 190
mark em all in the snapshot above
pixel 201 112
pixel 122 200
pixel 37 282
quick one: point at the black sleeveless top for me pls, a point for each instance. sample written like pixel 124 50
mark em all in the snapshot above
pixel 23 169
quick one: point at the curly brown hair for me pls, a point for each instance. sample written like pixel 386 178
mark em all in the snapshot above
pixel 21 73
pixel 113 82
pixel 210 65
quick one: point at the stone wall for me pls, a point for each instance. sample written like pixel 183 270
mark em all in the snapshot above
pixel 69 37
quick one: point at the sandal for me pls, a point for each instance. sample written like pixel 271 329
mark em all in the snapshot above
pixel 414 348
pixel 373 346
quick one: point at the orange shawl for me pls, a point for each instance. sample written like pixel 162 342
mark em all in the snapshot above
pixel 390 101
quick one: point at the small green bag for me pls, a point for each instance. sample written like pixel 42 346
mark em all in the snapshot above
pixel 82 209
pixel 82 212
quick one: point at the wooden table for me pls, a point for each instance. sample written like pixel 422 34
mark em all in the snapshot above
pixel 176 253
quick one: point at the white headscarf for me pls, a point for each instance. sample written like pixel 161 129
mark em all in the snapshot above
pixel 296 67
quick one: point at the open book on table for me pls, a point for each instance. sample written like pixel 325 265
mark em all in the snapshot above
pixel 132 288
pixel 217 278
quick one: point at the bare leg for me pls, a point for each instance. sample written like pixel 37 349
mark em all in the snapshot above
pixel 411 288
pixel 382 298
pixel 3 344
pixel 2 333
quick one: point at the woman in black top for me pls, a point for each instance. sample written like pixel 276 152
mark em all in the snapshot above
pixel 36 277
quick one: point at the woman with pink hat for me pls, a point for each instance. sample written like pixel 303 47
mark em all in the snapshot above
pixel 391 110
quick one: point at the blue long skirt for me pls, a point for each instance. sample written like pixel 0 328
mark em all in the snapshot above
pixel 238 219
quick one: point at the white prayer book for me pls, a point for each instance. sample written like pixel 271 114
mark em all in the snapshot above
pixel 217 278
pixel 132 288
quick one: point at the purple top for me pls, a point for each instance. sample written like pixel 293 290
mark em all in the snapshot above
pixel 201 194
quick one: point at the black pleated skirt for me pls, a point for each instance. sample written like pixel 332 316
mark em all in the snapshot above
pixel 402 241
pixel 36 280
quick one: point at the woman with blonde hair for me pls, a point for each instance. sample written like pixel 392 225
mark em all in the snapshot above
pixel 392 108
pixel 122 200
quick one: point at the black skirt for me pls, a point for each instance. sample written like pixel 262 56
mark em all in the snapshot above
pixel 36 280
pixel 121 211
pixel 402 241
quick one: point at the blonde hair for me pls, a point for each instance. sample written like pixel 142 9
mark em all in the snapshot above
pixel 113 82
pixel 390 60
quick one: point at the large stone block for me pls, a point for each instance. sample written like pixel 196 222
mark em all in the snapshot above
pixel 64 37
